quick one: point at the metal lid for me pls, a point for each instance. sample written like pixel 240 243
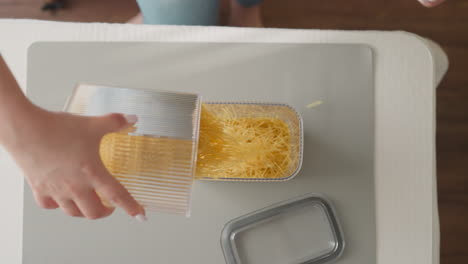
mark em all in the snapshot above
pixel 303 230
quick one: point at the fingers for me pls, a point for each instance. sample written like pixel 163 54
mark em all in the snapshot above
pixel 70 208
pixel 91 206
pixel 45 202
pixel 113 122
pixel 111 190
pixel 431 3
pixel 82 203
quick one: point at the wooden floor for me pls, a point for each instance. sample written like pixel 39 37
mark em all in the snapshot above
pixel 447 24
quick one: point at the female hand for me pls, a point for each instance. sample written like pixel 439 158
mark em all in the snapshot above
pixel 431 3
pixel 59 154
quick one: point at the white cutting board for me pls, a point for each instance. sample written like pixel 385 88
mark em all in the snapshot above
pixel 339 142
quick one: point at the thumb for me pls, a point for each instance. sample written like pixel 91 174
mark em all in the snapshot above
pixel 114 122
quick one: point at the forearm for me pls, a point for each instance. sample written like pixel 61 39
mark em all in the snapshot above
pixel 15 108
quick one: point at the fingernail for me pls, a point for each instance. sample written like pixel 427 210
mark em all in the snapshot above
pixel 141 218
pixel 430 3
pixel 132 119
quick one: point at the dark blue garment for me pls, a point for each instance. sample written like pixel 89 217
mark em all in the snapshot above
pixel 184 12
pixel 249 3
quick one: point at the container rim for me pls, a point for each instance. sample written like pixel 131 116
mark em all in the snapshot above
pixel 301 143
pixel 233 227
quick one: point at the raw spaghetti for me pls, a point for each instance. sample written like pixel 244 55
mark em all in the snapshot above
pixel 242 147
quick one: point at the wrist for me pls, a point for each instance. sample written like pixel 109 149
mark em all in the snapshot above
pixel 18 120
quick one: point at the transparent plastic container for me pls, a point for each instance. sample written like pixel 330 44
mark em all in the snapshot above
pixel 283 112
pixel 155 160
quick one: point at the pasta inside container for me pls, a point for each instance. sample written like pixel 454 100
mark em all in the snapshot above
pixel 249 142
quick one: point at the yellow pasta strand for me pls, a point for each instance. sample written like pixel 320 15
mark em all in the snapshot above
pixel 229 147
pixel 242 147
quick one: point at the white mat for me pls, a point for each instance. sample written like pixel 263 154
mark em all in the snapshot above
pixel 407 71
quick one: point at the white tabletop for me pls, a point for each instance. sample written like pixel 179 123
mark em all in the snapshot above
pixel 407 70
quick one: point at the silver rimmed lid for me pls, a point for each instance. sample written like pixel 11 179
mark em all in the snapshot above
pixel 303 230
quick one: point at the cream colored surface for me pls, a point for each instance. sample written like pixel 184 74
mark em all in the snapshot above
pixel 407 71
